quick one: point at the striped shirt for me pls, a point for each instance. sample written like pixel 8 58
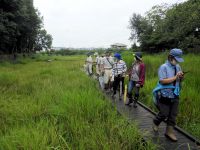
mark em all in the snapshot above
pixel 119 68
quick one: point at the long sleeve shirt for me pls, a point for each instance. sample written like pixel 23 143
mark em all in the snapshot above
pixel 89 60
pixel 119 68
pixel 140 73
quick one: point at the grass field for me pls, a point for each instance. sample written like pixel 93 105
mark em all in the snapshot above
pixel 189 109
pixel 54 105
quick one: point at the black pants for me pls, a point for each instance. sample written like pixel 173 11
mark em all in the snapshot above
pixel 168 110
pixel 116 82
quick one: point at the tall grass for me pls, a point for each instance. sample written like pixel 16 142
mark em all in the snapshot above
pixel 54 105
pixel 189 107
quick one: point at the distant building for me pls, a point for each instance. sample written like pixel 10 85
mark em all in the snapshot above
pixel 119 46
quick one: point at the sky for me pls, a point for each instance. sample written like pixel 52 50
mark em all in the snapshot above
pixel 91 23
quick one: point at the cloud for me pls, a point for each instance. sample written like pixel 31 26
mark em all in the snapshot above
pixel 91 23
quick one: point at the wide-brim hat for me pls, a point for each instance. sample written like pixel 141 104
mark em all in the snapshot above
pixel 89 53
pixel 138 55
pixel 96 54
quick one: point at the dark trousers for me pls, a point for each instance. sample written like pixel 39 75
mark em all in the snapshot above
pixel 168 110
pixel 116 82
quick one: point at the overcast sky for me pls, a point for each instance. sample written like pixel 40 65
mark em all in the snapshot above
pixel 91 23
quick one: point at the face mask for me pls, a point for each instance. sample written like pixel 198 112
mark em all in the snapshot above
pixel 174 62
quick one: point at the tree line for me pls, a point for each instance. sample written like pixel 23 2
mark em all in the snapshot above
pixel 164 27
pixel 21 28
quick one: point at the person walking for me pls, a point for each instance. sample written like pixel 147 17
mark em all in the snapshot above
pixel 89 63
pixel 166 94
pixel 136 78
pixel 106 67
pixel 118 72
pixel 97 62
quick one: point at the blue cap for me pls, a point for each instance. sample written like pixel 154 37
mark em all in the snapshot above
pixel 177 53
pixel 118 56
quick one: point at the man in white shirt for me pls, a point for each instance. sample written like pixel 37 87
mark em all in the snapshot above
pixel 101 71
pixel 89 63
pixel 106 66
pixel 98 61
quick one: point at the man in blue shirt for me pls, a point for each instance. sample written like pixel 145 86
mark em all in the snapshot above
pixel 167 92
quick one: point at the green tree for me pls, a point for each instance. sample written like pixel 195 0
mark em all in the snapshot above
pixel 165 27
pixel 43 40
pixel 20 24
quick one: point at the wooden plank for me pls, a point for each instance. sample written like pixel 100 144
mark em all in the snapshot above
pixel 144 119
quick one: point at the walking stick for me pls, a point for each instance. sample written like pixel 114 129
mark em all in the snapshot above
pixel 125 90
pixel 120 89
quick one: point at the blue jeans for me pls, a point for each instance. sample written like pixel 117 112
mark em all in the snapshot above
pixel 131 86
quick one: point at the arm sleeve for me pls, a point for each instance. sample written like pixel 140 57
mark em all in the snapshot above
pixel 112 60
pixel 113 69
pixel 142 75
pixel 162 73
pixel 178 68
pixel 124 68
pixel 102 61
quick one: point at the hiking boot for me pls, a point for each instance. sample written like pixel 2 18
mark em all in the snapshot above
pixel 135 104
pixel 120 98
pixel 170 133
pixel 130 101
pixel 155 127
pixel 113 95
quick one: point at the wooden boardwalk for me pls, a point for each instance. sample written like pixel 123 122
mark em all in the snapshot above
pixel 143 116
pixel 144 119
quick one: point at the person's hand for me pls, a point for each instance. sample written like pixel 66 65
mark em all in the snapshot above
pixel 102 72
pixel 179 75
pixel 112 78
pixel 137 85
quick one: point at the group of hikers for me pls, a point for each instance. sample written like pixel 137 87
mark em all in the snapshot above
pixel 111 70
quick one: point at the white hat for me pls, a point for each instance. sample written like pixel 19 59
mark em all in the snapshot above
pixel 96 54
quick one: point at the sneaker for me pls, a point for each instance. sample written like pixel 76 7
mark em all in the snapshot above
pixel 155 127
pixel 113 96
pixel 170 133
pixel 120 98
pixel 129 102
pixel 135 105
